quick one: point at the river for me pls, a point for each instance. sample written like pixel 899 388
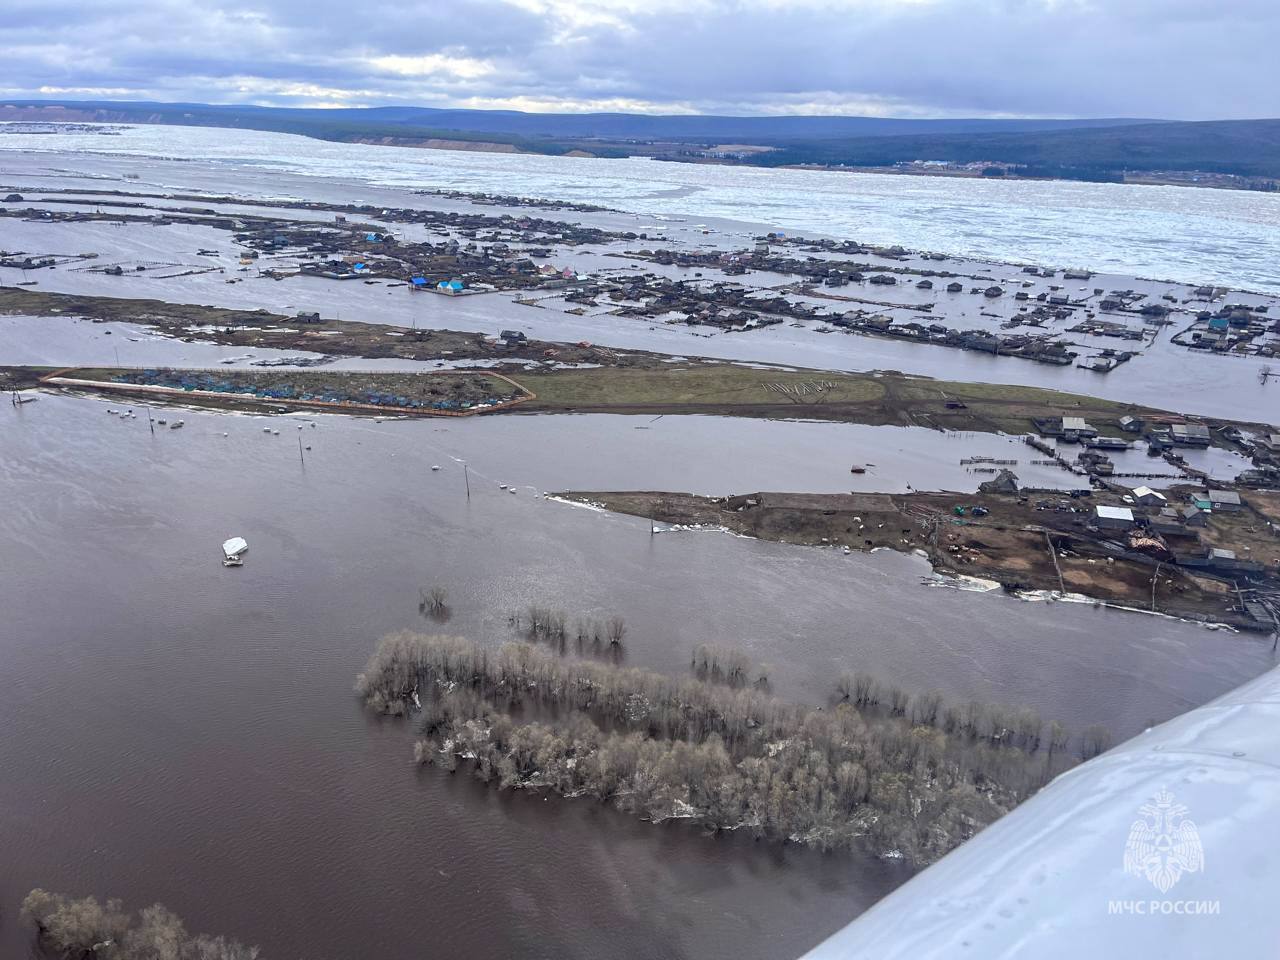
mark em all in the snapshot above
pixel 178 731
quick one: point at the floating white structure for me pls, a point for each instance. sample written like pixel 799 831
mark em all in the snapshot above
pixel 233 551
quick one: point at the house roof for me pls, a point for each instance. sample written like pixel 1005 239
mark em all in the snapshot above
pixel 1147 492
pixel 1115 513
pixel 1224 496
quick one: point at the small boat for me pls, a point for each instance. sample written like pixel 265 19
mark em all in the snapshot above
pixel 857 469
pixel 502 486
pixel 233 552
pixel 177 424
pixel 435 468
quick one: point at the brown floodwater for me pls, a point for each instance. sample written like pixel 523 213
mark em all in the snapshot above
pixel 177 731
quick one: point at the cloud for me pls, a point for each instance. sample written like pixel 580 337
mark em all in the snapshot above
pixel 1149 58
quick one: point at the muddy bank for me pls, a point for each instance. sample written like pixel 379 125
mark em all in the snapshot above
pixel 1030 542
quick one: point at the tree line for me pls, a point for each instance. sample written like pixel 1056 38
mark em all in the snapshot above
pixel 82 928
pixel 728 757
pixel 589 635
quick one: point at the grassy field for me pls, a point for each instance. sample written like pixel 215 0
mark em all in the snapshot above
pixel 697 385
pixel 728 389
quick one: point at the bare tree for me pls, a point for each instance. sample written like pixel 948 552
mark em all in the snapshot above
pixel 1094 740
pixel 898 700
pixel 76 928
pixel 727 756
pixel 616 630
pixel 926 707
pixel 433 602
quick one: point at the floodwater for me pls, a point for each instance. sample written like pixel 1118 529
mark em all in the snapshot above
pixel 1163 375
pixel 178 731
pixel 707 455
pixel 1200 236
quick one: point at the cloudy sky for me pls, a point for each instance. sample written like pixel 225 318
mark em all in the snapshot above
pixel 1178 59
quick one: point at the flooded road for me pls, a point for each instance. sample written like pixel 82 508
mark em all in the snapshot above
pixel 180 731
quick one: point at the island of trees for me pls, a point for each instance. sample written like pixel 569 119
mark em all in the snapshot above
pixel 77 929
pixel 877 769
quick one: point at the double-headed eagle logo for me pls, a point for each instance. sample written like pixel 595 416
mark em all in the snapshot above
pixel 1163 844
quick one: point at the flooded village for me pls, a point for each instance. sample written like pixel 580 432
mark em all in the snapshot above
pixel 1110 468
pixel 989 483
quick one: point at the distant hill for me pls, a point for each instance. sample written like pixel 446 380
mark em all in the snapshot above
pixel 1248 148
pixel 428 121
pixel 1098 149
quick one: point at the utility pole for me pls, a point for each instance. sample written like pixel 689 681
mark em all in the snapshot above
pixel 151 423
pixel 301 458
pixel 466 477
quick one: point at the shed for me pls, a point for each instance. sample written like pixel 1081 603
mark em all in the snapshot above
pixel 1193 516
pixel 1113 518
pixel 1190 434
pixel 1078 426
pixel 1225 500
pixel 1148 497
pixel 1006 481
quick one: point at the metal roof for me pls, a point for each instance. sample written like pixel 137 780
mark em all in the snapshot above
pixel 1115 513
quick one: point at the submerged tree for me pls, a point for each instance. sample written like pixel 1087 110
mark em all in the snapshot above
pixel 85 927
pixel 722 753
pixel 434 602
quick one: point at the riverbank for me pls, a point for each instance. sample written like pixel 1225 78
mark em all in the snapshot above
pixel 1031 542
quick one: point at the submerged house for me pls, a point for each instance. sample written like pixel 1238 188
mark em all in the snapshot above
pixel 1190 434
pixel 449 286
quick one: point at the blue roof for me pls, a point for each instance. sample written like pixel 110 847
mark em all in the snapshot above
pixel 419 281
